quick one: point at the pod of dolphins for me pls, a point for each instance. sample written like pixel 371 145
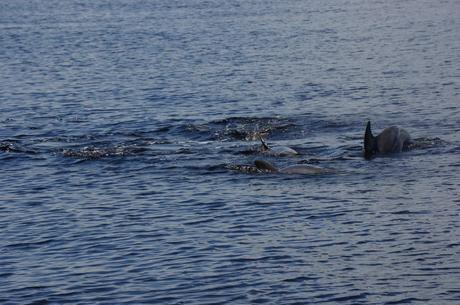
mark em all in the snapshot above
pixel 391 140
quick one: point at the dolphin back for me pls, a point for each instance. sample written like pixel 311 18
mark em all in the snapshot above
pixel 305 170
pixel 283 151
pixel 393 140
pixel 264 165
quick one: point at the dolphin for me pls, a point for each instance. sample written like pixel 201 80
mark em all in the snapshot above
pixel 293 169
pixel 277 150
pixel 391 140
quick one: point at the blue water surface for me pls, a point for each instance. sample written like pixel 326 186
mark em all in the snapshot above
pixel 129 128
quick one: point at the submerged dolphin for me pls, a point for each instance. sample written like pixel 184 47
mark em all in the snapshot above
pixel 391 140
pixel 277 150
pixel 293 169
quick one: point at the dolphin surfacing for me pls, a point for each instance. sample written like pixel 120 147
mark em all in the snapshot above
pixel 391 140
pixel 277 150
pixel 301 169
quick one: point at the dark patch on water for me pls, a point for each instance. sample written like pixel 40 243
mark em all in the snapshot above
pixel 94 153
pixel 12 146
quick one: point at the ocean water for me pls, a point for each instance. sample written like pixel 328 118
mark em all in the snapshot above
pixel 128 132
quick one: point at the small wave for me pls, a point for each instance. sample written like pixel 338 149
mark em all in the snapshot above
pixel 68 139
pixel 9 147
pixel 234 129
pixel 249 129
pixel 302 278
pixel 253 150
pixel 94 153
pixel 351 297
pixel 252 128
pixel 426 143
pixel 13 147
pixel 243 168
pixel 406 301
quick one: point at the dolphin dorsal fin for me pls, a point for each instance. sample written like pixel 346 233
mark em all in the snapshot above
pixel 264 144
pixel 369 142
pixel 264 165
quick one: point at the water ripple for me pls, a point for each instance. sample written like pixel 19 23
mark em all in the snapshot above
pixel 129 130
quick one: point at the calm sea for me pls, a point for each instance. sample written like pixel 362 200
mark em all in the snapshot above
pixel 129 128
